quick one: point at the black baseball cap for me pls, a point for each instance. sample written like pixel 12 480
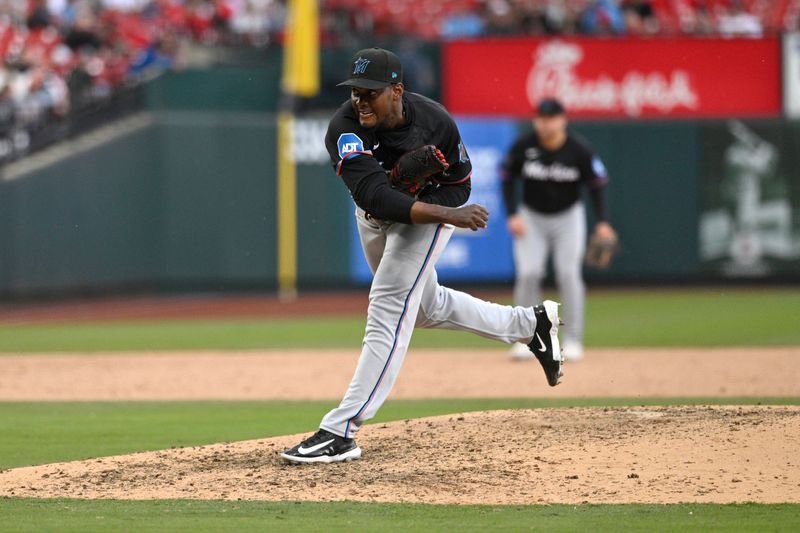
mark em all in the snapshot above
pixel 374 68
pixel 550 107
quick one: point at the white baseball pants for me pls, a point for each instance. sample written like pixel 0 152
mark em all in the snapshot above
pixel 564 234
pixel 405 293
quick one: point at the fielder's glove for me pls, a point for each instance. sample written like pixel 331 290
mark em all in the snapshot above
pixel 411 172
pixel 601 251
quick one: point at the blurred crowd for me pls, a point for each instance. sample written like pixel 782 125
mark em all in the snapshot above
pixel 451 19
pixel 69 54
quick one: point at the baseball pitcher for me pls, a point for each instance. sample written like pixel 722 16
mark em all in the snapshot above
pixel 401 156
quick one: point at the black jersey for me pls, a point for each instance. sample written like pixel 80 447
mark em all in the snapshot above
pixel 362 157
pixel 551 180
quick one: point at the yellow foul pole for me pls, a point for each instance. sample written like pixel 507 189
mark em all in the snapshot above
pixel 287 207
pixel 300 79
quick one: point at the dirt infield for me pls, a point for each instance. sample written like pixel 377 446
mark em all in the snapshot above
pixel 597 455
pixel 600 455
pixel 303 375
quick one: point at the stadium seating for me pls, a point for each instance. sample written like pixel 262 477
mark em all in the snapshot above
pixel 423 18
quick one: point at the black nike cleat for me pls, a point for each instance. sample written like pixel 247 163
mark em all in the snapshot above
pixel 545 345
pixel 323 447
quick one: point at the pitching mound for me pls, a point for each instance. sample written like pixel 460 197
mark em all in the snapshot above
pixel 598 455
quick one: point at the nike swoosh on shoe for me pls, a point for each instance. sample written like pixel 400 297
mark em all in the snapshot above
pixel 541 343
pixel 312 449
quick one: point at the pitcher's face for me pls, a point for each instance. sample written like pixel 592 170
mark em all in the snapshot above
pixel 375 106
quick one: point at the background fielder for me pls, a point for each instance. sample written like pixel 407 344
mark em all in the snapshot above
pixel 552 164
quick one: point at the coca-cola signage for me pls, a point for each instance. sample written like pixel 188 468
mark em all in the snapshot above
pixel 610 78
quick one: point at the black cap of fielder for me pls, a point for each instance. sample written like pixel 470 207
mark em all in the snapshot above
pixel 374 68
pixel 550 107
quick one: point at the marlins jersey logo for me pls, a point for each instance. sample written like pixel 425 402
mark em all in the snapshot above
pixel 557 171
pixel 462 153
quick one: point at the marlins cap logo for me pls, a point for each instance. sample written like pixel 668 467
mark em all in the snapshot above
pixel 361 65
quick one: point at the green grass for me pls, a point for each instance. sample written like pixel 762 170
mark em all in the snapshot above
pixel 35 433
pixel 703 317
pixel 38 433
pixel 31 515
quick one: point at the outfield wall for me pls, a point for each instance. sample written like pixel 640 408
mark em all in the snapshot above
pixel 188 202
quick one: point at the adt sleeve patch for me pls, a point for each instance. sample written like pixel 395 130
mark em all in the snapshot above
pixel 350 143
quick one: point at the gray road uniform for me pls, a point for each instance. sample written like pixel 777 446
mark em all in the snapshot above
pixel 405 292
pixel 555 220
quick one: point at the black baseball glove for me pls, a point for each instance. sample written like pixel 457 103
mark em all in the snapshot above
pixel 411 172
pixel 601 251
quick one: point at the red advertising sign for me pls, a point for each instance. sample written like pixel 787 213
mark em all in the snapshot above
pixel 615 78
